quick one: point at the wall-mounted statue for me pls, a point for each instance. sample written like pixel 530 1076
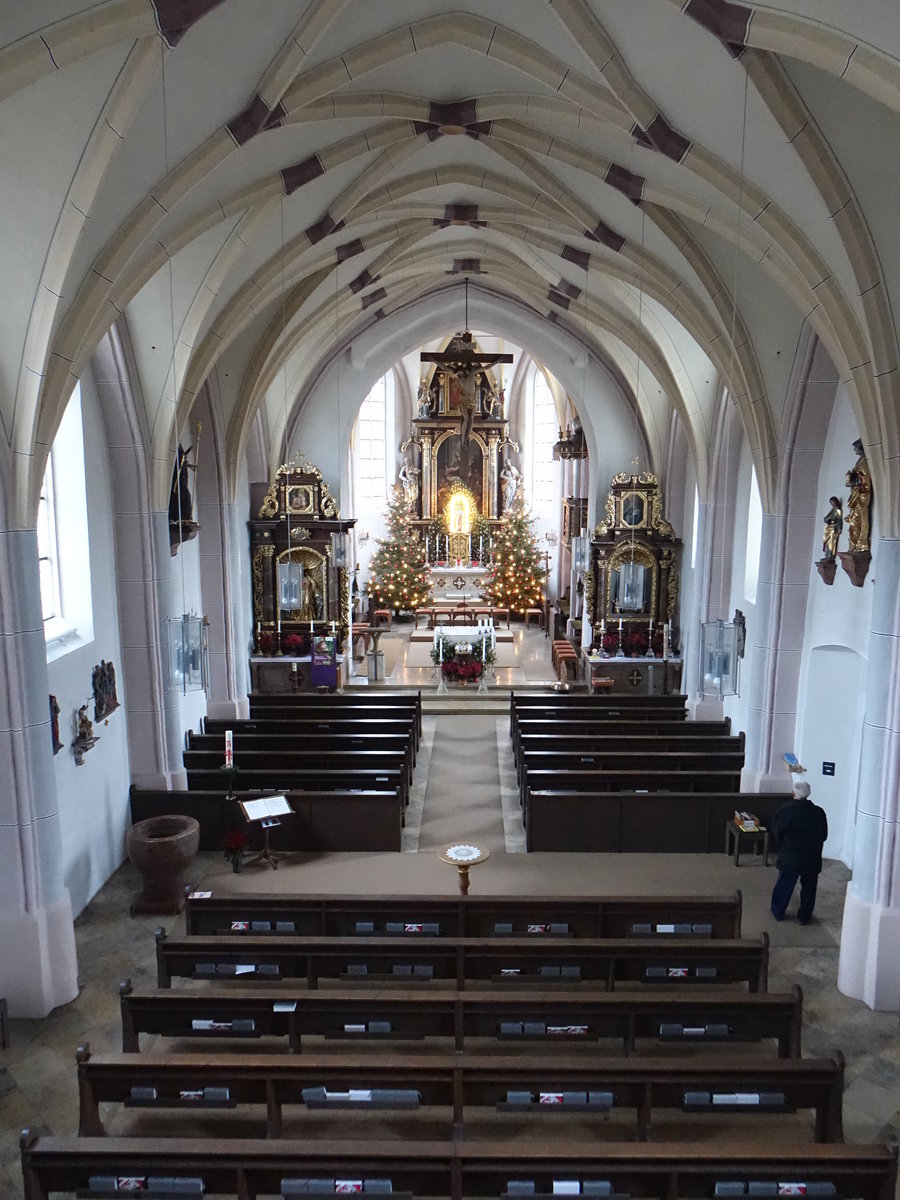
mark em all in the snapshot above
pixel 510 478
pixel 409 479
pixel 834 523
pixel 103 685
pixel 859 480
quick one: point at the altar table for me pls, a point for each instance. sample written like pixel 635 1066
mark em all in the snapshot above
pixel 635 676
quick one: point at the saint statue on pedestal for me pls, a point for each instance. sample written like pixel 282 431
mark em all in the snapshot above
pixel 834 523
pixel 859 480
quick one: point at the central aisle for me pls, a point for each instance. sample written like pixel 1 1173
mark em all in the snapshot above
pixel 462 795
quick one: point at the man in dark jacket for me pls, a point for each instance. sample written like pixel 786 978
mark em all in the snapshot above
pixel 800 828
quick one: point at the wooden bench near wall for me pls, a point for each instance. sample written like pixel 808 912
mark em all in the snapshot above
pixel 468 916
pixel 315 778
pixel 629 779
pixel 628 822
pixel 463 1084
pixel 582 964
pixel 369 817
pixel 318 734
pixel 598 707
pixel 363 1016
pixel 261 706
pixel 244 1167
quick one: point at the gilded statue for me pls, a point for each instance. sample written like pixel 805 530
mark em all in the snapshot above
pixel 859 481
pixel 834 523
pixel 409 479
pixel 309 610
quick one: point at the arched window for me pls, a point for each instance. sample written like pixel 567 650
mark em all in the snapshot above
pixel 754 539
pixel 376 415
pixel 62 537
pixel 544 427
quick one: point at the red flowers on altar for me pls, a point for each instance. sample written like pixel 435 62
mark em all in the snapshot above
pixel 461 671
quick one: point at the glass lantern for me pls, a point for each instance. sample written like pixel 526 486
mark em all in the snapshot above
pixel 186 639
pixel 719 662
pixel 290 586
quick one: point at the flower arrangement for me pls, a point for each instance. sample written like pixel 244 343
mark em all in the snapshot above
pixel 236 842
pixel 656 642
pixel 295 644
pixel 610 642
pixel 635 641
pixel 267 642
pixel 462 672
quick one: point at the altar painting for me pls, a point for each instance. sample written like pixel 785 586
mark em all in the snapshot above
pixel 459 464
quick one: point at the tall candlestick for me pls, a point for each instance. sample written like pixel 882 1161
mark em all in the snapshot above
pixel 441 645
pixel 470 547
pixel 229 749
pixel 481 549
pixel 666 642
pixel 620 624
pixel 426 548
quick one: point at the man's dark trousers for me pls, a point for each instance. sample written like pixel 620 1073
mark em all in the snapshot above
pixel 784 889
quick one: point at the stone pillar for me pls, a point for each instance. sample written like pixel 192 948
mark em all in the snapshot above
pixel 869 966
pixel 427 512
pixel 38 968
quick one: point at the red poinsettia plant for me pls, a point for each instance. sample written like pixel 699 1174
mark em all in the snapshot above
pixel 610 642
pixel 462 672
pixel 635 641
pixel 295 644
pixel 236 842
pixel 267 642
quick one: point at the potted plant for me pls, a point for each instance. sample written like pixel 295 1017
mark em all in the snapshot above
pixel 635 642
pixel 610 642
pixel 295 644
pixel 236 842
pixel 267 642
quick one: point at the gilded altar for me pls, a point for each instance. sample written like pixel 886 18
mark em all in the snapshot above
pixel 634 557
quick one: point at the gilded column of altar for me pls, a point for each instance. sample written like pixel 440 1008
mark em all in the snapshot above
pixel 260 554
pixel 493 476
pixel 428 475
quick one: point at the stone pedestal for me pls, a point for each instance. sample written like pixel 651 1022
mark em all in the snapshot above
pixel 827 568
pixel 856 564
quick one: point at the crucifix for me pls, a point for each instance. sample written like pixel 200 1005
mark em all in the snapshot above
pixel 463 360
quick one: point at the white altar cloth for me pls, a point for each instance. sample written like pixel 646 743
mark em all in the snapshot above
pixel 457 583
pixel 456 634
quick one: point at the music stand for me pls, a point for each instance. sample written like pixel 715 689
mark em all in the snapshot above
pixel 265 812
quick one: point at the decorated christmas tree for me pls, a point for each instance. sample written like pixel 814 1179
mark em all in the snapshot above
pixel 399 579
pixel 516 579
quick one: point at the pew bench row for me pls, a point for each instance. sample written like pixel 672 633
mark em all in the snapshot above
pixel 468 916
pixel 526 1086
pixel 455 1018
pixel 246 1168
pixel 464 962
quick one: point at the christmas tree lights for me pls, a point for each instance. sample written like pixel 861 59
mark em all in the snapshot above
pixel 399 576
pixel 517 576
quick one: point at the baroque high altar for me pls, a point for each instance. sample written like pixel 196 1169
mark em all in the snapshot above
pixel 458 479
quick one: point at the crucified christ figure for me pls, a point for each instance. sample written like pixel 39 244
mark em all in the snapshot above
pixel 468 401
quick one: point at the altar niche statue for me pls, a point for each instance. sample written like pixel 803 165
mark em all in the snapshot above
pixel 834 523
pixel 310 609
pixel 859 482
pixel 409 479
pixel 509 482
pixel 426 400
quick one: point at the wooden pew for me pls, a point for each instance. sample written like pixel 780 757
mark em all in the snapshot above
pixel 363 774
pixel 337 703
pixel 629 779
pixel 598 707
pixel 585 963
pixel 303 755
pixel 629 732
pixel 610 822
pixel 246 1167
pixel 369 817
pixel 466 916
pixel 690 760
pixel 213 735
pixel 705 1018
pixel 461 1083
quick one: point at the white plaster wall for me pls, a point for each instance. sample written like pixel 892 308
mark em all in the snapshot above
pixel 836 642
pixel 737 707
pixel 93 798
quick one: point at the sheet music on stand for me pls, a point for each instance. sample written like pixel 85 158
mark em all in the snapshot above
pixel 266 811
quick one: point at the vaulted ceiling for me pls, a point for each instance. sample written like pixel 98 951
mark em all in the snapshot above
pixel 676 185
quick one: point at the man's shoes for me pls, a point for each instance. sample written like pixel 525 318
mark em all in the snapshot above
pixel 777 916
pixel 801 921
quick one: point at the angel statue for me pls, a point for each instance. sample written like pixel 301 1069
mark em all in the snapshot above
pixel 510 478
pixel 409 478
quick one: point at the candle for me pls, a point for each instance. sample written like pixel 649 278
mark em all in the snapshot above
pixel 665 642
pixel 484 650
pixel 651 625
pixel 441 645
pixel 310 627
pixel 229 749
pixel 481 549
pixel 602 626
pixel 426 548
pixel 279 620
pixel 332 626
pixel 470 547
pixel 620 624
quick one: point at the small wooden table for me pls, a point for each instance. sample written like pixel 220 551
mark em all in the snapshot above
pixel 759 837
pixel 463 855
